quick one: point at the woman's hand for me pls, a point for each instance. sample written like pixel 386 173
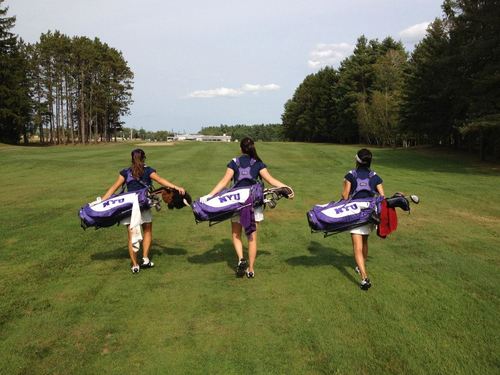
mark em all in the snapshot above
pixel 292 194
pixel 205 198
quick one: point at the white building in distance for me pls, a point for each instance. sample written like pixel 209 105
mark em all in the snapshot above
pixel 202 138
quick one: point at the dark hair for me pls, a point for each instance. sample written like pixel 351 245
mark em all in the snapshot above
pixel 364 158
pixel 248 147
pixel 138 158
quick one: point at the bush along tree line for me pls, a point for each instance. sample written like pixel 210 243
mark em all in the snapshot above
pixel 261 132
pixel 447 92
pixel 62 89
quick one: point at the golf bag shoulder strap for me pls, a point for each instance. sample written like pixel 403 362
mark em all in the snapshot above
pixel 244 173
pixel 238 162
pixel 362 184
pixel 131 178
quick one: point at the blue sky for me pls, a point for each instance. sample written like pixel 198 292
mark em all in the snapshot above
pixel 201 63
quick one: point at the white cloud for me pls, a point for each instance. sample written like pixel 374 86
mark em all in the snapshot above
pixel 329 54
pixel 257 88
pixel 230 92
pixel 415 33
pixel 221 91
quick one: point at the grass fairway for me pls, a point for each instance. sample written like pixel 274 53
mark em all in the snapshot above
pixel 69 304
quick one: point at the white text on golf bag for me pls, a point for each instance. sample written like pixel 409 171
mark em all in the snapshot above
pixel 226 199
pixel 346 210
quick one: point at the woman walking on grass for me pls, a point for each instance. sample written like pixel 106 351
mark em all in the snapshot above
pixel 136 177
pixel 245 170
pixel 359 183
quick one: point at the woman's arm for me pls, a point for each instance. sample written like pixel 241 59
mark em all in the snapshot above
pixel 380 190
pixel 223 182
pixel 264 173
pixel 346 190
pixel 154 176
pixel 119 182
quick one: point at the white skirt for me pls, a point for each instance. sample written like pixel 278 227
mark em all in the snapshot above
pixel 146 217
pixel 364 230
pixel 259 215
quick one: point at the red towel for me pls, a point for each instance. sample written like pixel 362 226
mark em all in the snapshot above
pixel 388 220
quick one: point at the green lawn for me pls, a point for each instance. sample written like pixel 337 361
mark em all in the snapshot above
pixel 70 305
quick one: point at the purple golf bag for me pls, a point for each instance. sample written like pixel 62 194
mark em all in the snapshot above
pixel 342 215
pixel 227 203
pixel 112 210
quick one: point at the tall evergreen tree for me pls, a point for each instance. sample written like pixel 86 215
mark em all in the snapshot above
pixel 475 42
pixel 378 110
pixel 14 98
pixel 428 98
pixel 355 83
pixel 311 113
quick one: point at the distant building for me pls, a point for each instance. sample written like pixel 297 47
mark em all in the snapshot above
pixel 202 138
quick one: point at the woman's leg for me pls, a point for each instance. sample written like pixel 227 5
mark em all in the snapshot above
pixel 131 252
pixel 365 247
pixel 357 247
pixel 236 237
pixel 147 237
pixel 252 249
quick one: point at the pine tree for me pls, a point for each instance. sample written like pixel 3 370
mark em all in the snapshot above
pixel 14 99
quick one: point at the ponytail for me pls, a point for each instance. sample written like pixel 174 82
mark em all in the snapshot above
pixel 138 158
pixel 248 147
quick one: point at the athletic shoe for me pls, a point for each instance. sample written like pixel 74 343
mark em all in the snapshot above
pixel 365 284
pixel 135 269
pixel 241 268
pixel 250 275
pixel 357 270
pixel 149 264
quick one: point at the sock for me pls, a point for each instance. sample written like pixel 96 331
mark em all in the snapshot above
pixel 145 260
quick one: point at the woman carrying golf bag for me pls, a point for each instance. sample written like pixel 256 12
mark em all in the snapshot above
pixel 246 170
pixel 359 183
pixel 139 176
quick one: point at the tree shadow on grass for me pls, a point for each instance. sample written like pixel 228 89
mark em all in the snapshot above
pixel 322 255
pixel 222 252
pixel 122 252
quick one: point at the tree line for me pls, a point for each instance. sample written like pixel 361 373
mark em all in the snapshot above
pixel 62 89
pixel 260 132
pixel 447 91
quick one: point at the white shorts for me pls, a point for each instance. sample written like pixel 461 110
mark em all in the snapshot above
pixel 146 217
pixel 364 230
pixel 259 215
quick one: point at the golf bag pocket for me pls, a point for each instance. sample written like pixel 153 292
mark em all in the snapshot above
pixel 112 210
pixel 343 215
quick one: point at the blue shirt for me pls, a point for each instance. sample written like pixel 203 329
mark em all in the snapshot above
pixel 245 163
pixel 134 185
pixel 363 173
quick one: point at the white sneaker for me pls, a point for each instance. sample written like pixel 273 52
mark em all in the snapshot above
pixel 135 269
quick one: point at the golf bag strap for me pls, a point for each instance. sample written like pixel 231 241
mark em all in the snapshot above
pixel 130 178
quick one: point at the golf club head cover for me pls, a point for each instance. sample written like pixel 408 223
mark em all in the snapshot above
pixel 398 200
pixel 179 201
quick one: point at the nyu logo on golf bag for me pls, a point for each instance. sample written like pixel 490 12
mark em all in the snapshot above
pixel 229 197
pixel 113 201
pixel 346 209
